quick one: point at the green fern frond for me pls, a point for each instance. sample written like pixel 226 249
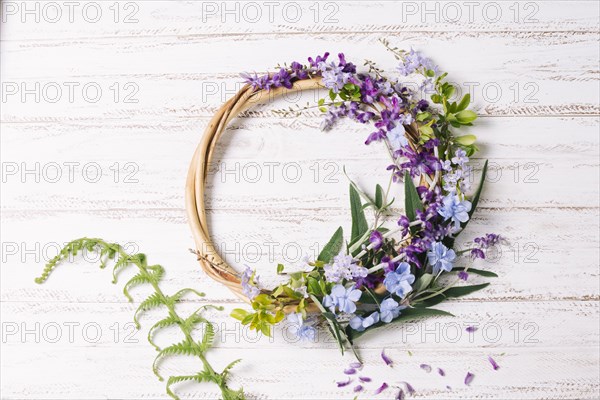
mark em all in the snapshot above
pixel 228 368
pixel 177 296
pixel 186 347
pixel 152 275
pixel 176 379
pixel 153 301
pixel 137 280
pixel 208 337
pixel 163 323
pixel 123 262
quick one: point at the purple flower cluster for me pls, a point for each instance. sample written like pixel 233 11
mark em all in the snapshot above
pixel 484 243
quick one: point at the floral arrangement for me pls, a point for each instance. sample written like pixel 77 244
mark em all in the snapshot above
pixel 380 275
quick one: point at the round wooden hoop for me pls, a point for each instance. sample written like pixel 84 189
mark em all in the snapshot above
pixel 210 260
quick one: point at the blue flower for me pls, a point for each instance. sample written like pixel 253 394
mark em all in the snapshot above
pixel 303 330
pixel 399 282
pixel 397 138
pixel 342 298
pixel 360 324
pixel 376 240
pixel 440 257
pixel 389 309
pixel 248 286
pixel 343 267
pixel 455 209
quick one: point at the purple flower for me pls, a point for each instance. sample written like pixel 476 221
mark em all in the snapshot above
pixel 282 78
pixel 455 209
pixel 463 275
pixel 358 388
pixel 441 372
pixel 460 158
pixel 343 267
pixel 469 378
pixel 376 240
pixel 318 60
pixel 425 367
pixel 364 379
pixel 388 361
pixel 304 331
pixel 494 364
pixel 477 253
pixel 248 287
pixel 399 282
pixel 342 298
pixel 400 395
pixel 389 309
pixel 414 61
pixel 334 77
pixel 350 371
pixel 440 258
pixel 471 329
pixel 487 241
pixel 375 136
pixel 360 324
pixel 382 388
pixel 404 222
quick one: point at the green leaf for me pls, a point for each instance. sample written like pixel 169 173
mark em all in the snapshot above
pixel 465 140
pixel 359 222
pixel 279 269
pixel 457 291
pixel 412 201
pixel 333 247
pixel 239 313
pixel 422 283
pixel 379 196
pixel 464 103
pixel 466 116
pixel 313 287
pixel 487 274
pixel 407 314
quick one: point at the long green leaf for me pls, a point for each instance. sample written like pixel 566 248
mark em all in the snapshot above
pixel 359 222
pixel 487 274
pixel 333 247
pixel 458 291
pixel 407 314
pixel 412 201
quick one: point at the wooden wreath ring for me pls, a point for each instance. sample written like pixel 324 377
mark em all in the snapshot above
pixel 195 189
pixel 210 260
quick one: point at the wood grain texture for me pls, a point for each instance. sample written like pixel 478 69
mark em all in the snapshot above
pixel 534 75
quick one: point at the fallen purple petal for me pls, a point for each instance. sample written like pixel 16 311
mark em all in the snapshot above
pixel 426 368
pixel 356 365
pixel 471 329
pixel 448 387
pixel 386 359
pixel 409 388
pixel 494 364
pixel 358 388
pixel 344 383
pixel 364 379
pixel 441 372
pixel 350 371
pixel 381 388
pixel 400 395
pixel 469 378
pixel 463 275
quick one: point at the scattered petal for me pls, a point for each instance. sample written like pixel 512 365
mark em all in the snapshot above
pixel 358 388
pixel 494 364
pixel 469 378
pixel 381 388
pixel 463 275
pixel 356 365
pixel 448 387
pixel 471 329
pixel 344 383
pixel 426 368
pixel 364 379
pixel 409 388
pixel 441 372
pixel 400 395
pixel 410 353
pixel 350 371
pixel 386 359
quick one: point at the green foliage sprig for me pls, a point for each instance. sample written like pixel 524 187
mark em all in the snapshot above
pixel 151 275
